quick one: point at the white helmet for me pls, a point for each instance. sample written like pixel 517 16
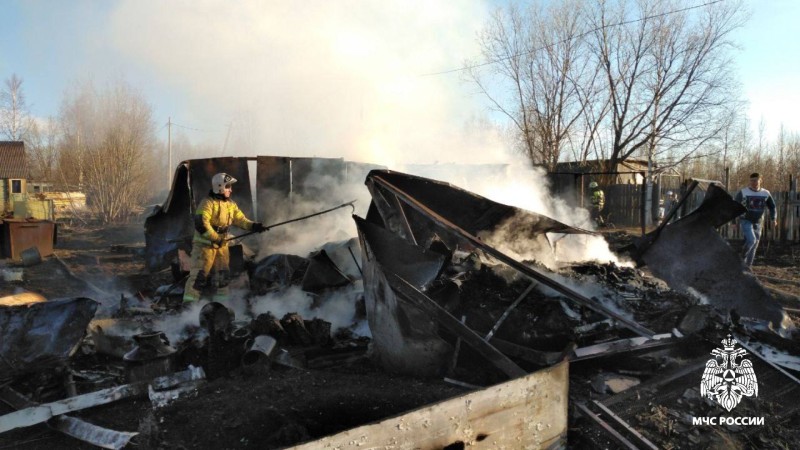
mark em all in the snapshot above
pixel 593 185
pixel 669 193
pixel 219 181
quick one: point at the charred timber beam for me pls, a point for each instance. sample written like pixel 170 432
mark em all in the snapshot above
pixel 638 437
pixel 508 311
pixel 760 356
pixel 455 326
pixel 607 427
pixel 528 271
pixel 622 345
pixel 528 354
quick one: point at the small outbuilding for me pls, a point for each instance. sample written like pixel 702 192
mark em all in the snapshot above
pixel 13 173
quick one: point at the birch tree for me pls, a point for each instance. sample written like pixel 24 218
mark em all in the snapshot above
pixel 14 113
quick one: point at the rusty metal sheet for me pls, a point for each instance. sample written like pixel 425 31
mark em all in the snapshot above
pixel 284 180
pixel 41 335
pixel 165 227
pixel 417 265
pixel 404 337
pixel 470 212
pixel 273 187
pixel 19 235
pixel 690 255
pixel 278 181
pixel 310 176
pixel 322 273
pixel 170 226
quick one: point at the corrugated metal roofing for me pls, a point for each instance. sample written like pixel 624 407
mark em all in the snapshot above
pixel 12 160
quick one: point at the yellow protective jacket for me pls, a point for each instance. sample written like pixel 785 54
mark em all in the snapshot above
pixel 598 199
pixel 214 217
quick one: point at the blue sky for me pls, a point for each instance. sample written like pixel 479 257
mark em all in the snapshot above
pixel 769 63
pixel 319 77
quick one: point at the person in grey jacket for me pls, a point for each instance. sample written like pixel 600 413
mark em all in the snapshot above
pixel 757 200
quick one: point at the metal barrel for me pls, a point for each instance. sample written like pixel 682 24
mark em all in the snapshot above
pixel 260 351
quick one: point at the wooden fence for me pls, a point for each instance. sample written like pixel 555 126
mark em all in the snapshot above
pixel 788 229
pixel 624 202
pixel 624 209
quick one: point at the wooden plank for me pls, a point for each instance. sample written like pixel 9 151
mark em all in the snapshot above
pixel 42 413
pixel 528 412
pixel 71 426
pixel 455 326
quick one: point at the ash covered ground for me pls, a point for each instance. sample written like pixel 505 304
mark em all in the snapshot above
pixel 285 406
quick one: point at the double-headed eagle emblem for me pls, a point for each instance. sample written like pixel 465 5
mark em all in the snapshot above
pixel 725 380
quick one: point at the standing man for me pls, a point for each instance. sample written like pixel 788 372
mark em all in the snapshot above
pixel 213 218
pixel 598 202
pixel 756 200
pixel 669 203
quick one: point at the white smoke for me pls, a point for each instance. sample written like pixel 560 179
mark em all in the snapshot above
pixel 304 236
pixel 337 307
pixel 517 184
pixel 344 79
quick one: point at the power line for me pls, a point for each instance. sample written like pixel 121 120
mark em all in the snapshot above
pixel 641 19
pixel 194 129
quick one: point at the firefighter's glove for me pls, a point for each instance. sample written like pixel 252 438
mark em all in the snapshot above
pixel 259 227
pixel 220 242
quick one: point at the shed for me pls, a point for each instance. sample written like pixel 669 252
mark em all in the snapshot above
pixel 13 173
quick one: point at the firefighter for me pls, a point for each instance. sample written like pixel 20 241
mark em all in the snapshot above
pixel 212 220
pixel 598 199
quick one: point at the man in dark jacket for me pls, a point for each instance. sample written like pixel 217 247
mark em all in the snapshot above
pixel 757 200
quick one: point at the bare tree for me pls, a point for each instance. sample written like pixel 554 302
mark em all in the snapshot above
pixel 14 114
pixel 108 148
pixel 42 150
pixel 540 56
pixel 667 73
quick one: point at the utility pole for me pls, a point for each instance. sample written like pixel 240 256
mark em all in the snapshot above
pixel 169 153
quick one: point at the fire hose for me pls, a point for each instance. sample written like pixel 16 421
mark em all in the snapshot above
pixel 296 219
pixel 268 227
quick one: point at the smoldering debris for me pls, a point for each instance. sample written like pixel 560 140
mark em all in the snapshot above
pixel 411 296
pixel 690 254
pixel 41 335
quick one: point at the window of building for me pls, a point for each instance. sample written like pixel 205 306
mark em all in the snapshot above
pixel 16 186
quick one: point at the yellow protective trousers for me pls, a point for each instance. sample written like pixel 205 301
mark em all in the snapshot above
pixel 204 259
